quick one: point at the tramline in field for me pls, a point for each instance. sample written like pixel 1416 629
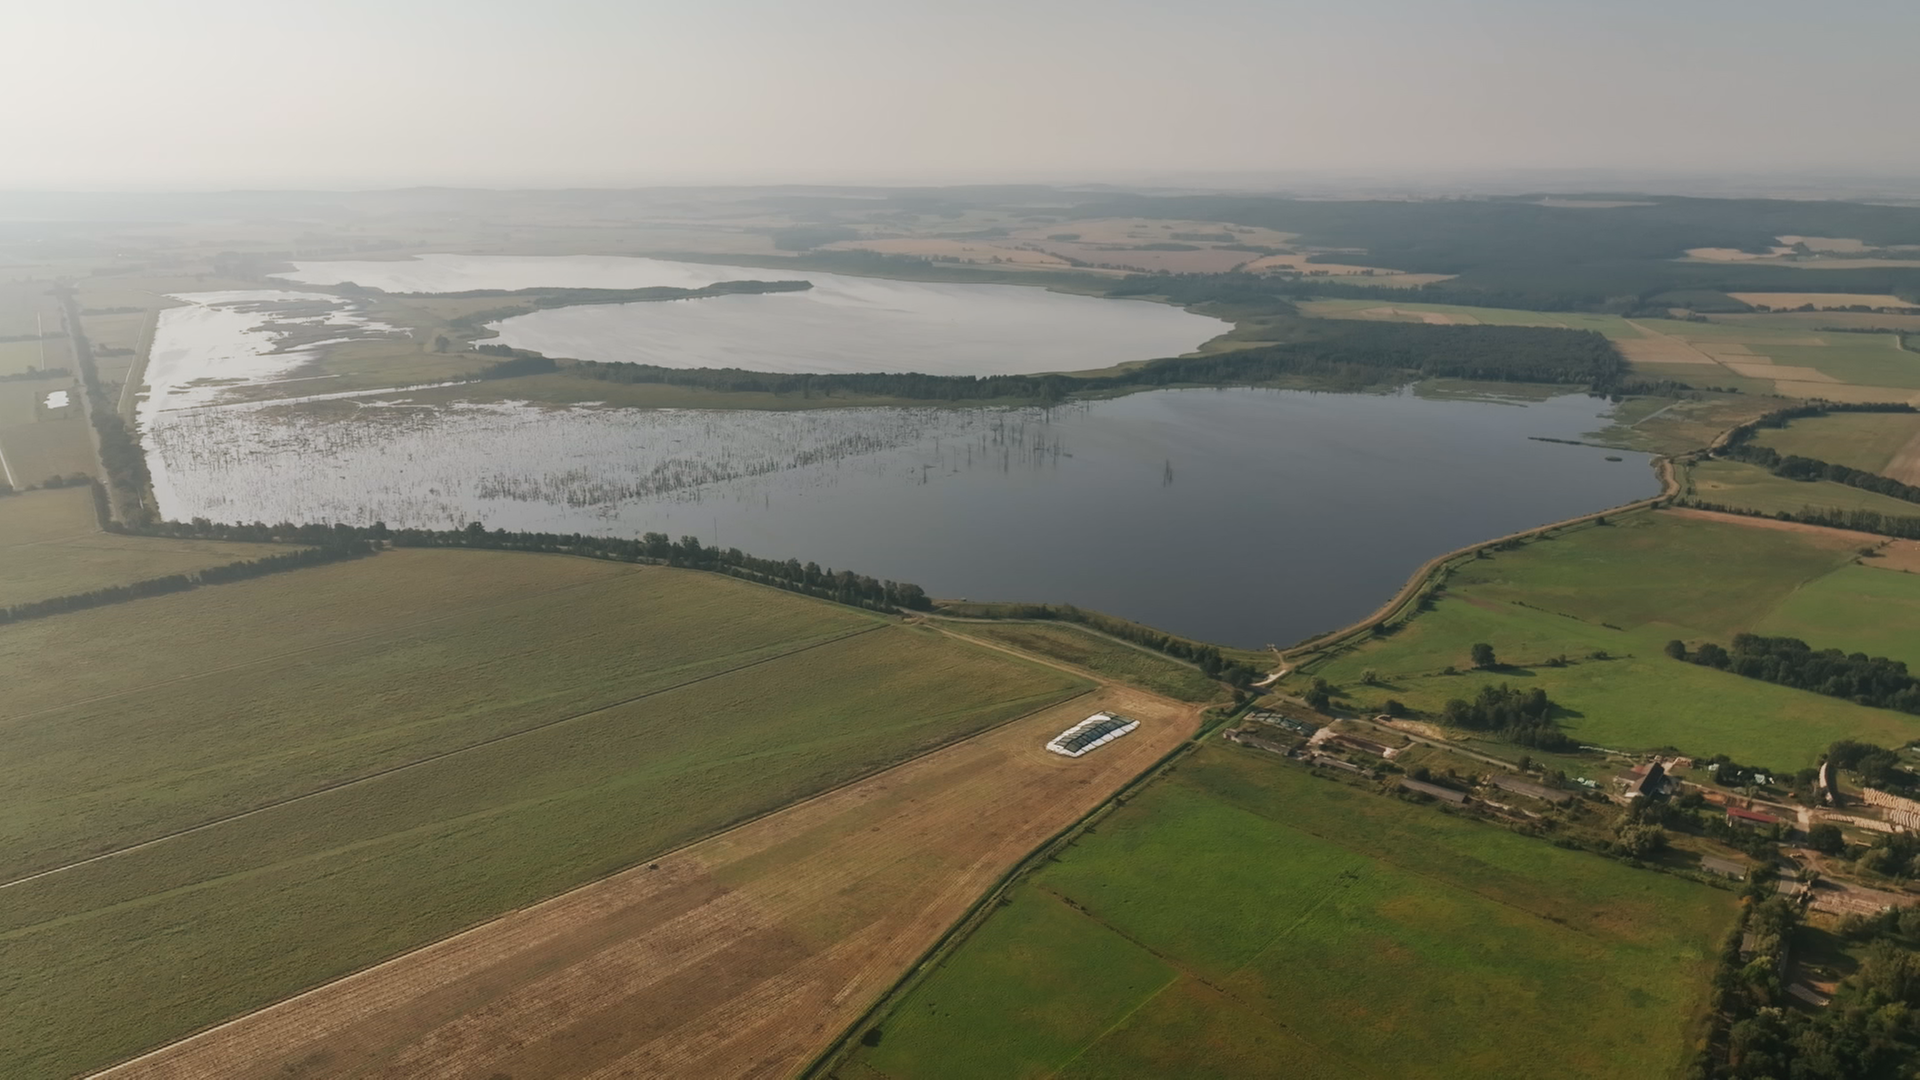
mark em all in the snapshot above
pixel 1090 734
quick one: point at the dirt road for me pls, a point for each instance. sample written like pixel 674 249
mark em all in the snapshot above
pixel 741 956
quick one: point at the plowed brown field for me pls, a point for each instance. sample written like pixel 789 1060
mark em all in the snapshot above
pixel 741 956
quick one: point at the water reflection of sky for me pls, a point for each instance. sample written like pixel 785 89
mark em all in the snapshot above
pixel 1243 516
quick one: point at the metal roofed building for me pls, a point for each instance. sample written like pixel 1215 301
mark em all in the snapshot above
pixel 1090 734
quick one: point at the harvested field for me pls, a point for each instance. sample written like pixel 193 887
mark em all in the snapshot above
pixel 1654 347
pixel 1869 441
pixel 740 956
pixel 51 545
pixel 1102 656
pixel 967 251
pixel 222 798
pixel 1833 538
pixel 1823 301
pixel 1761 368
pixel 1904 466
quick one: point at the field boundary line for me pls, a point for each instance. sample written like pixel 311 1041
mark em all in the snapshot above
pixel 557 897
pixel 430 759
pixel 975 916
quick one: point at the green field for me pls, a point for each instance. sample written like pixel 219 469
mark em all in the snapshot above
pixel 460 733
pixel 1100 654
pixel 1866 441
pixel 1860 359
pixel 50 545
pixel 1861 608
pixel 1750 487
pixel 1626 589
pixel 1243 918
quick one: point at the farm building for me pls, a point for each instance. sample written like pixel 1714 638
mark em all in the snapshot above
pixel 1090 734
pixel 1280 720
pixel 1750 819
pixel 1435 790
pixel 1645 781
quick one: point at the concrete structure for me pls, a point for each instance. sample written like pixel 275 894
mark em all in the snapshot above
pixel 1532 790
pixel 1091 734
pixel 1443 793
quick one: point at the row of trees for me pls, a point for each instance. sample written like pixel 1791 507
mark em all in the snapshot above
pixel 172 583
pixel 120 453
pixel 842 586
pixel 1739 446
pixel 1865 680
pixel 32 374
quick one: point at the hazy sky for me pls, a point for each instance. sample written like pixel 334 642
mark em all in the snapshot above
pixel 127 94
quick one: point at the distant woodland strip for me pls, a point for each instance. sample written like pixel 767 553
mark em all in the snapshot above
pixel 32 374
pixel 1739 447
pixel 1898 526
pixel 1864 680
pixel 172 583
pixel 840 586
pixel 1346 351
pixel 1206 657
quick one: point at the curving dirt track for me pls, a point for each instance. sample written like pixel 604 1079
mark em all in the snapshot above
pixel 741 956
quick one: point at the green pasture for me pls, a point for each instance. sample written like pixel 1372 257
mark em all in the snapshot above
pixel 1750 487
pixel 1859 359
pixel 1866 441
pixel 1624 590
pixel 1244 918
pixel 462 733
pixel 1861 608
pixel 1100 654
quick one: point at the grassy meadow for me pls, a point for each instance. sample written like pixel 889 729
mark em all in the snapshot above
pixel 1245 918
pixel 1624 590
pixel 1866 441
pixel 51 545
pixel 1100 654
pixel 1750 487
pixel 331 766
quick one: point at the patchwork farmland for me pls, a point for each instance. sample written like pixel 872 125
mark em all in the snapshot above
pixel 233 795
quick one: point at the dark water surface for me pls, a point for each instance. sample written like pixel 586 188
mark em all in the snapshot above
pixel 1242 517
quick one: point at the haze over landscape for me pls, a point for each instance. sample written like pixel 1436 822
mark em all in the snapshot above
pixel 225 94
pixel 892 541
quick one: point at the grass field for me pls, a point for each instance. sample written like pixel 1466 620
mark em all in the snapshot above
pixel 1750 487
pixel 1856 609
pixel 1100 654
pixel 50 545
pixel 459 733
pixel 1626 589
pixel 1243 918
pixel 1865 441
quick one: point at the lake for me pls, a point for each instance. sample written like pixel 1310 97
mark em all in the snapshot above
pixel 1238 516
pixel 842 324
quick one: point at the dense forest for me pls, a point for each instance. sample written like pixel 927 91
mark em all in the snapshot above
pixel 1342 351
pixel 1870 1030
pixel 1875 681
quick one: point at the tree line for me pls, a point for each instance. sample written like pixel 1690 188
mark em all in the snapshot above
pixel 120 453
pixel 32 374
pixel 1206 657
pixel 810 579
pixel 1864 680
pixel 1344 350
pixel 1739 446
pixel 1898 526
pixel 332 551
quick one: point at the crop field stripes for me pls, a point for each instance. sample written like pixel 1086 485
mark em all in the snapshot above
pixel 352 639
pixel 431 758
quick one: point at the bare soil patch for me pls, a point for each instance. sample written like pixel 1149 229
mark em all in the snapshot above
pixel 740 956
pixel 1897 555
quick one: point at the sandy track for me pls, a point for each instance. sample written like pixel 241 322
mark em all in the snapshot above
pixel 740 956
